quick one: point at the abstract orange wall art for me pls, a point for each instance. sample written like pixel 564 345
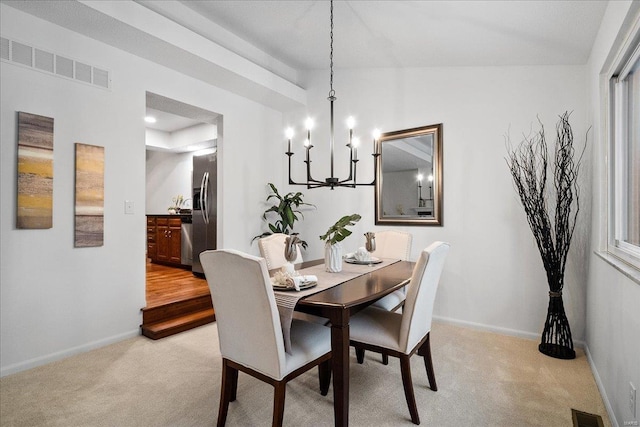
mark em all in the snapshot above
pixel 35 172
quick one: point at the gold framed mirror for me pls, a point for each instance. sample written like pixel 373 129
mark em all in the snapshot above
pixel 409 177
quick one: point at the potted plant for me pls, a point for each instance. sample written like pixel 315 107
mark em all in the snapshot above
pixel 287 213
pixel 332 238
pixel 528 165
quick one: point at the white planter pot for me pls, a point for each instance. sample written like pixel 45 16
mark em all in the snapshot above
pixel 333 257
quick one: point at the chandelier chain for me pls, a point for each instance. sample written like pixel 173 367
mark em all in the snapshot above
pixel 332 93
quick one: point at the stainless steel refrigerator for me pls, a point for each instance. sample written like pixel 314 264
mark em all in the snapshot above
pixel 205 212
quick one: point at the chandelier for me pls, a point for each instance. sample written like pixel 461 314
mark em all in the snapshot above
pixel 333 181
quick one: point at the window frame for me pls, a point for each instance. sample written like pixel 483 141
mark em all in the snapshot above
pixel 617 115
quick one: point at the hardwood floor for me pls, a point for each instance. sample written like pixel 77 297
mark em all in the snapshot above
pixel 170 284
pixel 176 301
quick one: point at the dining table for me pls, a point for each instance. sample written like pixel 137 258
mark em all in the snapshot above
pixel 341 301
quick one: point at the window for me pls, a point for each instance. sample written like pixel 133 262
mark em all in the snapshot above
pixel 624 210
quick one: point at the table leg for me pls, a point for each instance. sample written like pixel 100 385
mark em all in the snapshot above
pixel 340 367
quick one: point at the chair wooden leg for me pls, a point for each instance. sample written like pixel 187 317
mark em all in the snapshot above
pixel 233 377
pixel 324 375
pixel 385 359
pixel 425 352
pixel 278 403
pixel 360 355
pixel 229 377
pixel 405 368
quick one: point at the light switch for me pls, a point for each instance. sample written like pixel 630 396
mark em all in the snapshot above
pixel 128 207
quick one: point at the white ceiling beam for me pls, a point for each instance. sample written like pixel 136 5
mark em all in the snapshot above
pixel 136 29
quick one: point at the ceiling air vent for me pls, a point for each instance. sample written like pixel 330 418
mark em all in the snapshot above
pixel 22 54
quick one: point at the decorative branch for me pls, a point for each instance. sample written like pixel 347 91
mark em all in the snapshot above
pixel 528 164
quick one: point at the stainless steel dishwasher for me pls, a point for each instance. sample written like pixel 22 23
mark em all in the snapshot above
pixel 186 248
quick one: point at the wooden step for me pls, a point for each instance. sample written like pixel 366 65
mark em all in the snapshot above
pixel 176 301
pixel 178 324
pixel 176 309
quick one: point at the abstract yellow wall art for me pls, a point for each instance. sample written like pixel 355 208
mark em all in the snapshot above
pixel 89 213
pixel 35 172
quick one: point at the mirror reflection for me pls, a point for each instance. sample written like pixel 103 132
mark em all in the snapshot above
pixel 409 177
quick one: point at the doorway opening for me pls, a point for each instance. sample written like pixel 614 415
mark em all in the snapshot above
pixel 177 136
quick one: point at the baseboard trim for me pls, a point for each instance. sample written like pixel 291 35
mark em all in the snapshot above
pixel 488 328
pixel 43 360
pixel 498 329
pixel 603 392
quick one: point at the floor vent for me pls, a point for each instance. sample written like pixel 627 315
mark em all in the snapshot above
pixel 24 55
pixel 585 419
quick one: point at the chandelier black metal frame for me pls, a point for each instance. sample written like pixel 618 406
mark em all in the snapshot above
pixel 333 181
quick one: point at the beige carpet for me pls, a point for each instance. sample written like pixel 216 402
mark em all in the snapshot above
pixel 484 379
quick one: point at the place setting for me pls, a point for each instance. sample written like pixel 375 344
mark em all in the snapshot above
pixel 362 257
pixel 286 280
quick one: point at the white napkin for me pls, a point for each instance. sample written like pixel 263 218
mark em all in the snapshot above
pixel 299 281
pixel 362 254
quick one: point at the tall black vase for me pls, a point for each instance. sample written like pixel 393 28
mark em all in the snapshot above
pixel 556 336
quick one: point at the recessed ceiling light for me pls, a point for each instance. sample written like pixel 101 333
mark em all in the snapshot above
pixel 150 119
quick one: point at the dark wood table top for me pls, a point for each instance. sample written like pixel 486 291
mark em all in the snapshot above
pixel 364 289
pixel 358 292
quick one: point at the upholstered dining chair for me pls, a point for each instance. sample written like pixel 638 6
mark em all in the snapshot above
pixel 392 244
pixel 250 332
pixel 403 334
pixel 272 250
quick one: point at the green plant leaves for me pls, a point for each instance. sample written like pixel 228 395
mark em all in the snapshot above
pixel 286 210
pixel 338 231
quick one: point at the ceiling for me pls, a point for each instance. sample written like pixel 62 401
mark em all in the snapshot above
pixel 371 34
pixel 286 37
pixel 168 122
pixel 397 33
pixel 173 116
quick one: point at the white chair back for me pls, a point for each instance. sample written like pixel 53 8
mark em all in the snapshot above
pixel 393 244
pixel 246 313
pixel 272 250
pixel 421 294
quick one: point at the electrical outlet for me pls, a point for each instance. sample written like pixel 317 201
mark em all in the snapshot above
pixel 632 399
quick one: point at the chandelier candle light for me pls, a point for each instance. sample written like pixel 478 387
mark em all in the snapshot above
pixel 353 143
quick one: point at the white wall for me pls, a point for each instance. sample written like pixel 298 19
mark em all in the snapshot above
pixel 167 175
pixel 493 277
pixel 56 300
pixel 613 300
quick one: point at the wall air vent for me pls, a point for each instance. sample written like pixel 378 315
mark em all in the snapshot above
pixel 44 61
pixel 22 54
pixel 4 48
pixel 83 72
pixel 64 66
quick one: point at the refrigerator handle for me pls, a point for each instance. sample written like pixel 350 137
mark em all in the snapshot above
pixel 205 207
pixel 202 197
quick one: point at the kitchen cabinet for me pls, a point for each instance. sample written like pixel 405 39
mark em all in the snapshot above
pixel 151 239
pixel 164 239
